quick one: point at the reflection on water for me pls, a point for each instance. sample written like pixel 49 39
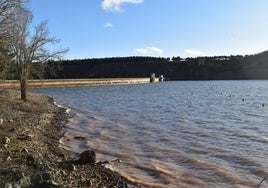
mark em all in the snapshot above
pixel 186 134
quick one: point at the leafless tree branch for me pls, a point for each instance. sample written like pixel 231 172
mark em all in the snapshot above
pixel 15 22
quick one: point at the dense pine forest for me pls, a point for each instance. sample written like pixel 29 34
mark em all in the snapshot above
pixel 176 68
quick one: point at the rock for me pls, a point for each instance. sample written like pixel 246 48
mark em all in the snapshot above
pixel 24 150
pixel 108 166
pixel 103 163
pixel 8 158
pixel 63 156
pixel 117 160
pixel 68 166
pixel 88 156
pixel 25 137
pixel 72 167
pixel 34 161
pixel 79 138
pixel 5 140
pixel 5 146
pixel 1 121
pixel 30 159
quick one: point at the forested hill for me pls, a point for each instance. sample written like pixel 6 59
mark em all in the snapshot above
pixel 176 68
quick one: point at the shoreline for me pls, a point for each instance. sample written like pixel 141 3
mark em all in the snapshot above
pixel 74 82
pixel 30 154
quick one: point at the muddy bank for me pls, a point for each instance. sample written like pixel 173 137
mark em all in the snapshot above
pixel 30 155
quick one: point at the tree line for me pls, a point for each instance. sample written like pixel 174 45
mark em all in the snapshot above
pixel 175 68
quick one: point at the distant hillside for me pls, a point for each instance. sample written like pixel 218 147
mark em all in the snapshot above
pixel 176 68
pixel 256 66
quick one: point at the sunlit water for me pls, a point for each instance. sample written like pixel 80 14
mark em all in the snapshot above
pixel 173 134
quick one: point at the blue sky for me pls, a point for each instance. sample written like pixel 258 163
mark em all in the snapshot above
pixel 161 28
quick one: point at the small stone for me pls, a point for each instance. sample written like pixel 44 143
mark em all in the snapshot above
pixel 24 150
pixel 63 156
pixel 53 183
pixel 5 140
pixel 72 168
pixel 69 167
pixel 5 146
pixel 79 138
pixel 102 163
pixel 88 156
pixel 29 137
pixel 1 121
pixel 25 137
pixel 117 160
pixel 109 166
pixel 35 161
pixel 8 158
pixel 30 159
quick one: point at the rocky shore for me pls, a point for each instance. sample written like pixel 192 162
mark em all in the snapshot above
pixel 30 155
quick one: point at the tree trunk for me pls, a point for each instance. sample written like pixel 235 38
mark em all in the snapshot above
pixel 23 88
pixel 23 82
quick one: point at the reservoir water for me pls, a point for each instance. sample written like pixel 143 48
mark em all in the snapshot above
pixel 172 134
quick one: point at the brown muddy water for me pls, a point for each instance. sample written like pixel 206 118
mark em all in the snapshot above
pixel 172 134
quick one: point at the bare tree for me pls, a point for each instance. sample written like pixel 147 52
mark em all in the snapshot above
pixel 28 47
pixel 6 10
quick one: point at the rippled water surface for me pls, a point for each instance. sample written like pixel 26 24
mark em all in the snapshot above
pixel 173 134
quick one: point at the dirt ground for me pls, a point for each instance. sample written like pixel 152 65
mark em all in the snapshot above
pixel 30 155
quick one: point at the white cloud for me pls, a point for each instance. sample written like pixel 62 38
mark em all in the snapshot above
pixel 115 5
pixel 194 52
pixel 149 50
pixel 108 25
